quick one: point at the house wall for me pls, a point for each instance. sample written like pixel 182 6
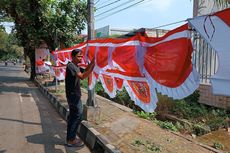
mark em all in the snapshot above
pixel 206 97
pixel 202 7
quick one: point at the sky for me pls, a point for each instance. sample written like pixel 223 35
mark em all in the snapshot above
pixel 8 26
pixel 148 14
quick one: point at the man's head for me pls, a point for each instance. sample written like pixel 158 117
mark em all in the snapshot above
pixel 76 55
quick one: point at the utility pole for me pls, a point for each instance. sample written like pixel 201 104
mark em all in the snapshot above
pixel 195 7
pixel 90 19
pixel 90 3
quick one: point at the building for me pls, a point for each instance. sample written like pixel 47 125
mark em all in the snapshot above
pixel 107 31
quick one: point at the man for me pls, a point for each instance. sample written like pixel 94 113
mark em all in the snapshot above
pixel 73 95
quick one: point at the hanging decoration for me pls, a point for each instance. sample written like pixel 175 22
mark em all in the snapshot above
pixel 142 65
pixel 215 29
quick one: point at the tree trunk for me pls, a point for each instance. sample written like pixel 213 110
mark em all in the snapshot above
pixel 32 64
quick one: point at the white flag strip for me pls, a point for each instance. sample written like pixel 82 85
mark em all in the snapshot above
pixel 216 31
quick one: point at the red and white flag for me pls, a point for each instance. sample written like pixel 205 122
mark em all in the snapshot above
pixel 143 65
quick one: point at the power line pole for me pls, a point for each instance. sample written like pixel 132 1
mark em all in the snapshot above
pixel 90 19
pixel 91 93
pixel 195 7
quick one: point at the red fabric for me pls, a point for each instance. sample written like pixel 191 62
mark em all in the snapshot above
pixel 141 90
pixel 167 60
pixel 39 63
pixel 102 57
pixel 169 63
pixel 119 82
pixel 224 15
pixel 125 57
pixel 108 82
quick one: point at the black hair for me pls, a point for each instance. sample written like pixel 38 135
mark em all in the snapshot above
pixel 75 52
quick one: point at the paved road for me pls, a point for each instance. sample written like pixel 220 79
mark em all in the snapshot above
pixel 28 122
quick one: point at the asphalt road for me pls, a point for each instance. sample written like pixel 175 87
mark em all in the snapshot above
pixel 28 122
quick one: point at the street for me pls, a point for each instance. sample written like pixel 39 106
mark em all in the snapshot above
pixel 28 122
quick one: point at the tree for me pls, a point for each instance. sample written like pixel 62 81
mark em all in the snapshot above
pixel 8 46
pixel 53 21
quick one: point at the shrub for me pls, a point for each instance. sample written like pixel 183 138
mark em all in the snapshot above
pixel 164 104
pixel 193 97
pixel 200 129
pixel 84 84
pixel 146 115
pixel 216 123
pixel 218 146
pixel 166 125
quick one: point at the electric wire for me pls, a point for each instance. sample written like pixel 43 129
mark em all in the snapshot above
pixel 111 9
pixel 96 2
pixel 107 4
pixel 165 25
pixel 135 4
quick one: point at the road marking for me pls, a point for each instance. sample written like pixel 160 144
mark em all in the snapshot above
pixel 20 97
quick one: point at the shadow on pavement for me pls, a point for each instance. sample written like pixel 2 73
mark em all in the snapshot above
pixel 2 151
pixel 13 79
pixel 53 127
pixel 20 121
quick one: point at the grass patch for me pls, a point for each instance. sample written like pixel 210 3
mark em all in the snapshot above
pixel 146 145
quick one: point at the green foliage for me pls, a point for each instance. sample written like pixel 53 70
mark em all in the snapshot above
pixel 53 21
pixel 164 104
pixel 153 147
pixel 122 97
pixel 148 145
pixel 216 123
pixel 146 115
pixel 62 20
pixel 84 84
pixel 189 108
pixel 193 97
pixel 179 126
pixel 8 47
pixel 98 88
pixel 204 118
pixel 137 143
pixel 200 129
pixel 196 118
pixel 166 125
pixel 218 146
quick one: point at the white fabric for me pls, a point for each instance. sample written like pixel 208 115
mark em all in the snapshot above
pixel 217 34
pixel 184 90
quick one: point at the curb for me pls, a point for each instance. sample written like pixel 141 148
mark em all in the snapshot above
pixel 96 142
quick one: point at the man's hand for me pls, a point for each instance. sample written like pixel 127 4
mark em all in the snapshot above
pixel 93 61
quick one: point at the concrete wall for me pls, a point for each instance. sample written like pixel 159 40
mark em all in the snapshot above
pixel 206 97
pixel 202 7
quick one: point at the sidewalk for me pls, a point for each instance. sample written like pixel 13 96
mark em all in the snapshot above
pixel 114 128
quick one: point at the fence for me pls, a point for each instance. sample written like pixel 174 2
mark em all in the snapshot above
pixel 204 58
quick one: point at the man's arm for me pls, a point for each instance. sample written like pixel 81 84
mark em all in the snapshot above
pixel 87 72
